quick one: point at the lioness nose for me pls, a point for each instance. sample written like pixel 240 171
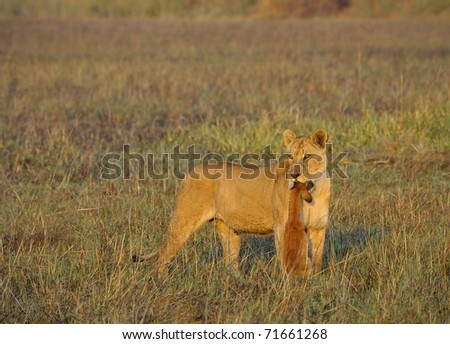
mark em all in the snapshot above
pixel 295 174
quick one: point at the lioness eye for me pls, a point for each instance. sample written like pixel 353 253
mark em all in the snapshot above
pixel 290 157
pixel 306 157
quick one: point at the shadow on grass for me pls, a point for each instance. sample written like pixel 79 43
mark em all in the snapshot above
pixel 254 247
pixel 338 243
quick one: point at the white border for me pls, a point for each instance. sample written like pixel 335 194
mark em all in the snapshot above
pixel 348 334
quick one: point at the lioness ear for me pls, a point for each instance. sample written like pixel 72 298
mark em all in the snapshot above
pixel 319 137
pixel 289 137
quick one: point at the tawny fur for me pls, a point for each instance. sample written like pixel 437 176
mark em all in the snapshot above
pixel 294 256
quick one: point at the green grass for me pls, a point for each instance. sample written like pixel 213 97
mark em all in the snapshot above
pixel 71 91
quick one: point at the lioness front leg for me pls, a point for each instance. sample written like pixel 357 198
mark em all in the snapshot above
pixel 317 237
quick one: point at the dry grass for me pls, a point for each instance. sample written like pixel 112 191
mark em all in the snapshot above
pixel 71 91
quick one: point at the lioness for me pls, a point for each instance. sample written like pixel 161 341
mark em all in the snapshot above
pixel 255 206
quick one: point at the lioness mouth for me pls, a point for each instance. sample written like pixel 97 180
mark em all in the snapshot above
pixel 294 181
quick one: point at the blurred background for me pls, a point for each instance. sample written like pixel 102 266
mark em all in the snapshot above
pixel 225 8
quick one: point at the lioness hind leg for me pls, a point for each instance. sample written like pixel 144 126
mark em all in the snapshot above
pixel 231 243
pixel 182 226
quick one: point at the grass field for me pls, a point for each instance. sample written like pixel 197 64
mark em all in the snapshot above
pixel 72 91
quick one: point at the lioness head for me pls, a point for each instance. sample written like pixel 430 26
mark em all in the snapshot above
pixel 308 155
